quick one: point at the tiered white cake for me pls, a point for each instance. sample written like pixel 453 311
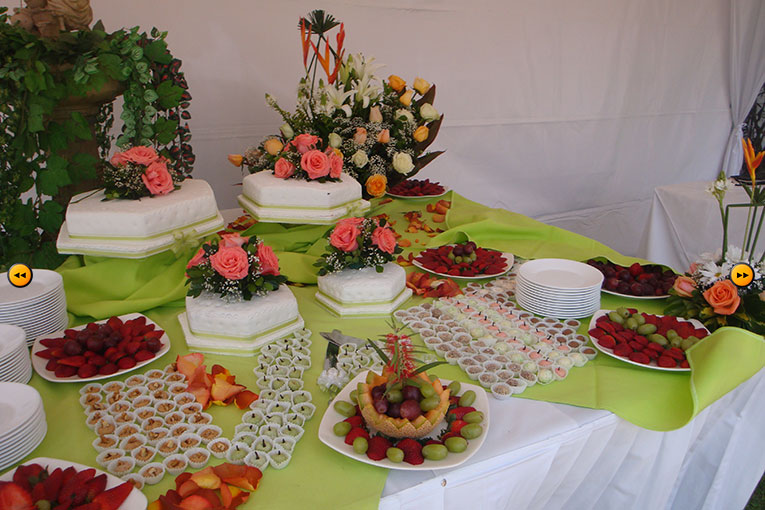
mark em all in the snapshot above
pixel 271 199
pixel 138 228
pixel 364 292
pixel 214 325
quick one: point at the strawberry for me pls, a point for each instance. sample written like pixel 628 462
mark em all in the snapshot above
pixel 114 497
pixel 28 475
pixel 143 355
pixel 53 484
pixel 126 363
pixel 459 412
pixel 38 492
pixel 607 341
pixel 412 451
pixel 88 506
pixel 354 433
pixel 63 371
pixel 45 354
pixel 457 426
pixel 685 364
pixel 95 487
pixel 623 350
pixel 73 492
pixel 14 497
pixel 378 445
pixel 635 346
pixel 52 342
pixel 108 369
pixel 132 348
pixel 666 362
pixel 355 421
pixel 640 357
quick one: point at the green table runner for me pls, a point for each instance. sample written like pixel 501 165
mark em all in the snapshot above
pixel 318 477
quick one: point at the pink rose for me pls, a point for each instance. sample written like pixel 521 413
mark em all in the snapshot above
pixel 283 169
pixel 230 263
pixel 344 237
pixel 305 142
pixel 335 166
pixel 141 155
pixel 196 259
pixel 232 240
pixel 384 136
pixel 119 159
pixel 360 136
pixel 269 264
pixel 315 163
pixel 384 239
pixel 157 179
pixel 684 286
pixel 693 268
pixel 355 221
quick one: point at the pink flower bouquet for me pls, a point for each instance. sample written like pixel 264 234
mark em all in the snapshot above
pixel 139 172
pixel 234 268
pixel 356 243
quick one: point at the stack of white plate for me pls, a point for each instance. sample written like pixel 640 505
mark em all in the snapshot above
pixel 22 422
pixel 564 289
pixel 39 308
pixel 15 364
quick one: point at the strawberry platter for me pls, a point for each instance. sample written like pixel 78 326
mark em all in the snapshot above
pixel 99 350
pixel 638 281
pixel 106 490
pixel 464 261
pixel 413 189
pixel 332 417
pixel 652 341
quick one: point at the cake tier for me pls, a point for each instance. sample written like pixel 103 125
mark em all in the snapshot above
pixel 89 217
pixel 271 199
pixel 364 292
pixel 210 315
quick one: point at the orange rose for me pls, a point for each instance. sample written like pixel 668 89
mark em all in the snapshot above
pixel 684 286
pixel 406 98
pixel 723 297
pixel 236 159
pixel 396 83
pixel 384 136
pixel 421 133
pixel 376 185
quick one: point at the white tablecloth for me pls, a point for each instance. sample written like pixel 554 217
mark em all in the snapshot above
pixel 685 222
pixel 547 456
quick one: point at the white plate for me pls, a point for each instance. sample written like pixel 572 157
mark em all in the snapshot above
pixel 561 274
pixel 39 363
pixel 420 197
pixel 630 296
pixel 509 258
pixel 550 297
pixel 18 403
pixel 337 443
pixel 135 500
pixel 44 282
pixel 566 293
pixel 652 365
pixel 22 451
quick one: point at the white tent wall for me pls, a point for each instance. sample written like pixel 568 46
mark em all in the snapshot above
pixel 570 112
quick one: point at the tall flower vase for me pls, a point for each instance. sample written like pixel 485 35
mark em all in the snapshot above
pixel 358 293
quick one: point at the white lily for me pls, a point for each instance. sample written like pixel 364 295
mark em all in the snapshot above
pixel 366 91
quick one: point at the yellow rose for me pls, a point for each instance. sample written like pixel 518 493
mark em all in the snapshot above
pixel 421 133
pixel 273 146
pixel 406 98
pixel 236 159
pixel 376 185
pixel 396 83
pixel 421 85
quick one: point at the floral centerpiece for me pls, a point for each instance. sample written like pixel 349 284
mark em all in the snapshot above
pixel 356 243
pixel 356 275
pixel 140 172
pixel 380 128
pixel 706 292
pixel 234 268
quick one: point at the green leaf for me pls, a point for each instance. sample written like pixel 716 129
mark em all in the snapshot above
pixel 99 26
pixel 35 122
pixel 79 126
pixel 82 167
pixel 165 130
pixel 150 96
pixel 24 221
pixel 51 216
pixel 111 64
pixel 53 176
pixel 423 368
pixel 157 51
pixel 379 351
pixel 47 257
pixel 169 94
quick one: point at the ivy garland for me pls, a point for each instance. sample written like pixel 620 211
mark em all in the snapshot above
pixel 36 75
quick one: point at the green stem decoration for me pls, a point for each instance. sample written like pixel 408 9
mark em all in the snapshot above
pixel 756 235
pixel 746 231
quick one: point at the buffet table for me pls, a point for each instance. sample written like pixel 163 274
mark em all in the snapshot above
pixel 704 449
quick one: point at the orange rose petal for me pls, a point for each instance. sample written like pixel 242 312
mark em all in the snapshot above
pixel 439 218
pixel 208 495
pixel 206 479
pixel 405 243
pixel 188 488
pixel 240 499
pixel 181 479
pixel 227 470
pixel 188 363
pixel 244 398
pixel 195 502
pixel 226 496
pixel 154 505
pixel 223 390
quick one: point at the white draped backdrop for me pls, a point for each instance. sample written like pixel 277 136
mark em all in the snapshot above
pixel 569 112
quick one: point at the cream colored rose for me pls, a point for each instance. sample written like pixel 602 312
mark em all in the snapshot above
pixel 406 114
pixel 421 85
pixel 360 158
pixel 375 115
pixel 287 131
pixel 402 163
pixel 428 113
pixel 335 140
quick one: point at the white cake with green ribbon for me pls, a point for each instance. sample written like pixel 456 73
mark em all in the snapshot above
pixel 274 200
pixel 357 277
pixel 237 301
pixel 145 208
